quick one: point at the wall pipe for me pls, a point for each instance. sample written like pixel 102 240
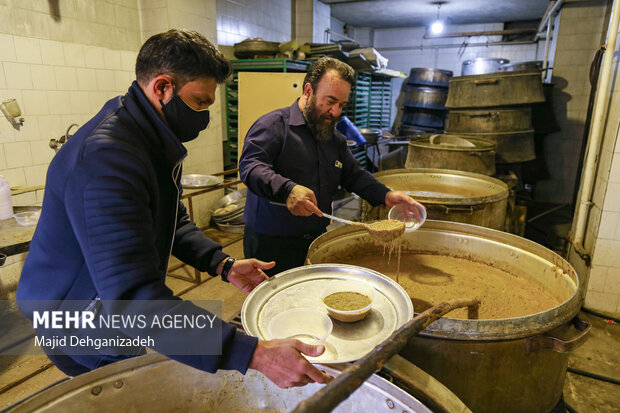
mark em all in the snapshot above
pixel 596 134
pixel 547 17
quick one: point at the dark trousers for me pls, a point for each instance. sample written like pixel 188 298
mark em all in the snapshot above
pixel 287 252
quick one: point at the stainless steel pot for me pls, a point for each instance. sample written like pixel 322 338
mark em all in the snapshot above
pixel 495 89
pixel 482 65
pixel 425 97
pixel 371 135
pixel 429 77
pixel 515 67
pixel 512 364
pixel 430 153
pixel 153 383
pixel 448 195
pixel 494 120
pixel 424 117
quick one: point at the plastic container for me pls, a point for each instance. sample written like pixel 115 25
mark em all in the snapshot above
pixel 27 218
pixel 348 286
pixel 412 220
pixel 350 131
pixel 6 204
pixel 308 325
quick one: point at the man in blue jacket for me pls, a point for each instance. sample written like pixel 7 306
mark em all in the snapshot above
pixel 293 162
pixel 112 215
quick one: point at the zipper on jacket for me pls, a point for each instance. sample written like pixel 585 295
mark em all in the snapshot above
pixel 175 176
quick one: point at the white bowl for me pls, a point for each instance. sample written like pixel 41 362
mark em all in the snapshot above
pixel 402 212
pixel 27 218
pixel 360 287
pixel 308 325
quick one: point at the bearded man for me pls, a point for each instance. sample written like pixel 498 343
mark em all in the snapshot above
pixel 293 162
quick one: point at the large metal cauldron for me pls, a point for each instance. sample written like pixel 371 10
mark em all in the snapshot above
pixel 429 118
pixel 504 365
pixel 425 97
pixel 154 383
pixel 448 195
pixel 495 89
pixel 430 153
pixel 494 120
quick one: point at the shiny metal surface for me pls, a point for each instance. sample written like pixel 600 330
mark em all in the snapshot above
pixel 247 49
pixel 477 159
pixel 514 67
pixel 425 97
pixel 429 77
pixel 200 181
pixel 448 195
pixel 154 383
pixel 495 89
pixel 371 135
pixel 482 65
pixel 517 362
pixel 302 287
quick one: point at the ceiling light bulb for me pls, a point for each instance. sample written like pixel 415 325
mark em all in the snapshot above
pixel 437 27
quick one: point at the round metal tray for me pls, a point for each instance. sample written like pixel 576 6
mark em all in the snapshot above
pixel 301 288
pixel 200 181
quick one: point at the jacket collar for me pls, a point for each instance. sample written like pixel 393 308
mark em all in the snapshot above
pixel 155 129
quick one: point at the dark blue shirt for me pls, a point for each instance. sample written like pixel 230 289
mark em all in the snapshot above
pixel 280 152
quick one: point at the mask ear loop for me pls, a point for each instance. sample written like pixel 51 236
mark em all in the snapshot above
pixel 163 91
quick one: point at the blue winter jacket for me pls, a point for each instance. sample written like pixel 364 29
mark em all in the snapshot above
pixel 111 217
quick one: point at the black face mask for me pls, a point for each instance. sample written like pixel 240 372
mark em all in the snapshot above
pixel 185 121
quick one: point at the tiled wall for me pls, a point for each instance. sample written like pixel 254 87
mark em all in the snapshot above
pixel 63 64
pixel 602 239
pixel 442 58
pixel 579 36
pixel 240 19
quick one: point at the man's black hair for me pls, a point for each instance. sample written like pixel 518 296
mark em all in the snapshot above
pixel 321 66
pixel 183 54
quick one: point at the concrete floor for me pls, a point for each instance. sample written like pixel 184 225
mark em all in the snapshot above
pixel 25 375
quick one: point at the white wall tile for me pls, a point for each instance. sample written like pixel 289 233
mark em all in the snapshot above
pixel 74 55
pixel 609 222
pixel 17 154
pixel 35 175
pixel 43 77
pixel 41 152
pixel 93 56
pixel 7 51
pixel 65 78
pixel 86 79
pixel 105 79
pixel 612 198
pixel 605 302
pixel 14 176
pixel 52 52
pixel 112 59
pixel 27 50
pixel 18 75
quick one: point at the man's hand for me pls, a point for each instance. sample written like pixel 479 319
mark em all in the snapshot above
pixel 247 274
pixel 396 197
pixel 281 362
pixel 302 202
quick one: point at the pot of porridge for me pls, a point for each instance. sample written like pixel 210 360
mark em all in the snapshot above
pixel 516 353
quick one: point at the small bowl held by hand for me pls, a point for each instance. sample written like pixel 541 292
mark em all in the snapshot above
pixel 412 219
pixel 348 301
pixel 307 325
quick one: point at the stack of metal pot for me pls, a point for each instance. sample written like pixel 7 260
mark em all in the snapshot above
pixel 497 106
pixel 424 107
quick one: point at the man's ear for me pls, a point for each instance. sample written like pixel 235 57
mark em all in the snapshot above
pixel 308 91
pixel 162 87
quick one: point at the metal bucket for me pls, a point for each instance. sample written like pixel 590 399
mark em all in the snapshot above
pixel 429 77
pixel 512 364
pixel 448 195
pixel 426 153
pixel 424 117
pixel 154 383
pixel 489 120
pixel 482 65
pixel 495 89
pixel 425 97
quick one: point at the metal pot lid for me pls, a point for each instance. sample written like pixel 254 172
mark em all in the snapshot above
pixel 444 186
pixel 200 181
pixel 302 288
pixel 479 144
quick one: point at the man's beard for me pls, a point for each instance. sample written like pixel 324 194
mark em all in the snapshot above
pixel 320 130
